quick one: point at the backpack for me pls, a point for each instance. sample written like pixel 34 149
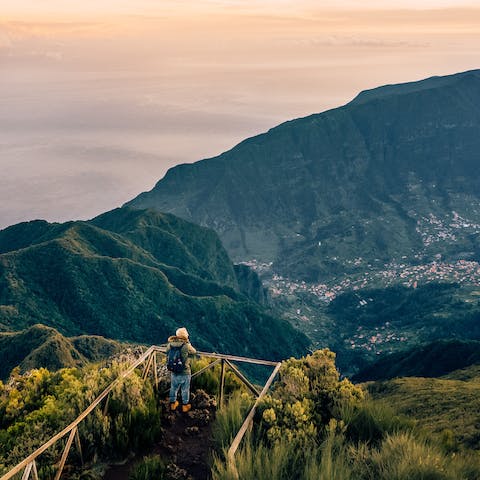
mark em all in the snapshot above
pixel 175 363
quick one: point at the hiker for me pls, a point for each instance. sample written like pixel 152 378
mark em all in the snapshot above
pixel 178 350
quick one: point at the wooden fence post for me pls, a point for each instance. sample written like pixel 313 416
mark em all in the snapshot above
pixel 105 407
pixel 147 365
pixel 155 369
pixel 34 469
pixel 31 467
pixel 238 438
pixel 222 384
pixel 26 472
pixel 79 445
pixel 65 453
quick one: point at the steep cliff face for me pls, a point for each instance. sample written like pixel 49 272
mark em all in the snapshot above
pixel 251 285
pixel 370 179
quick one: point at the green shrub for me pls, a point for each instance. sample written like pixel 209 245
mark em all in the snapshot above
pixel 150 468
pixel 261 462
pixel 37 405
pixel 230 418
pixel 308 394
pixel 370 421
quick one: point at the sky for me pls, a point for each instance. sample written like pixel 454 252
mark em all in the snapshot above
pixel 100 98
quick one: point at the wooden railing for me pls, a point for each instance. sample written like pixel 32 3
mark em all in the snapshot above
pixel 149 361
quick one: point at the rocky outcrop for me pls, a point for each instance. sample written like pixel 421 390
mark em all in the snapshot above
pixel 251 285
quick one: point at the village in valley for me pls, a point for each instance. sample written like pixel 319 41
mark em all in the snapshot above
pixel 306 302
pixel 460 271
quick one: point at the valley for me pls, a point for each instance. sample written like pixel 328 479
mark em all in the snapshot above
pixel 362 221
pixel 312 308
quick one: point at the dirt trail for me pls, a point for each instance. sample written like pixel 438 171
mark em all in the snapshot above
pixel 185 444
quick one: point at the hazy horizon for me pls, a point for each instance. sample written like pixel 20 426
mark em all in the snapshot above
pixel 100 99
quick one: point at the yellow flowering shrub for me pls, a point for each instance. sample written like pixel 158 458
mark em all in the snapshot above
pixel 36 405
pixel 306 399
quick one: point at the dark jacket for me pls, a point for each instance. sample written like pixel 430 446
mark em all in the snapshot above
pixel 187 350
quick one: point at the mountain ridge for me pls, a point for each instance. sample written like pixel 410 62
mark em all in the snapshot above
pixel 42 346
pixel 80 278
pixel 314 192
pixel 436 359
pixel 414 86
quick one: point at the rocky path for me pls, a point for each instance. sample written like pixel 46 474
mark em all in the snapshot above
pixel 185 445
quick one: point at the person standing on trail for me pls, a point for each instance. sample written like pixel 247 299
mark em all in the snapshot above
pixel 178 350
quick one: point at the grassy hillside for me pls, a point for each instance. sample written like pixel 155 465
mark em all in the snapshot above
pixel 445 407
pixel 173 241
pixel 80 278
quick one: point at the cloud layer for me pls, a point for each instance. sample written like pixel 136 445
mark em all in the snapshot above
pixel 95 108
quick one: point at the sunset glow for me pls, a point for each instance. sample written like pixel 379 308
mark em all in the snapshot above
pixel 101 98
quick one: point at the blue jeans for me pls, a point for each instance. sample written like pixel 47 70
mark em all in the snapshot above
pixel 180 382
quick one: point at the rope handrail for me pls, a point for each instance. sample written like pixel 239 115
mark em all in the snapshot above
pixel 149 356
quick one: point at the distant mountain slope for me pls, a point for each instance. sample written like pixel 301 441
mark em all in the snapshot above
pixel 433 360
pixel 394 173
pixel 148 238
pixel 133 275
pixel 465 374
pixel 371 324
pixel 172 241
pixel 40 346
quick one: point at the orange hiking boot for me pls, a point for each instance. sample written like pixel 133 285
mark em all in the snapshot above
pixel 186 408
pixel 173 406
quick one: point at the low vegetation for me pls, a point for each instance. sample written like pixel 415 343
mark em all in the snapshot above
pixel 443 407
pixel 315 426
pixel 37 405
pixel 229 419
pixel 151 467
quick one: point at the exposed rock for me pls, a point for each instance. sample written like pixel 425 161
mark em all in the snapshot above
pixel 192 431
pixel 250 284
pixel 174 472
pixel 201 400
